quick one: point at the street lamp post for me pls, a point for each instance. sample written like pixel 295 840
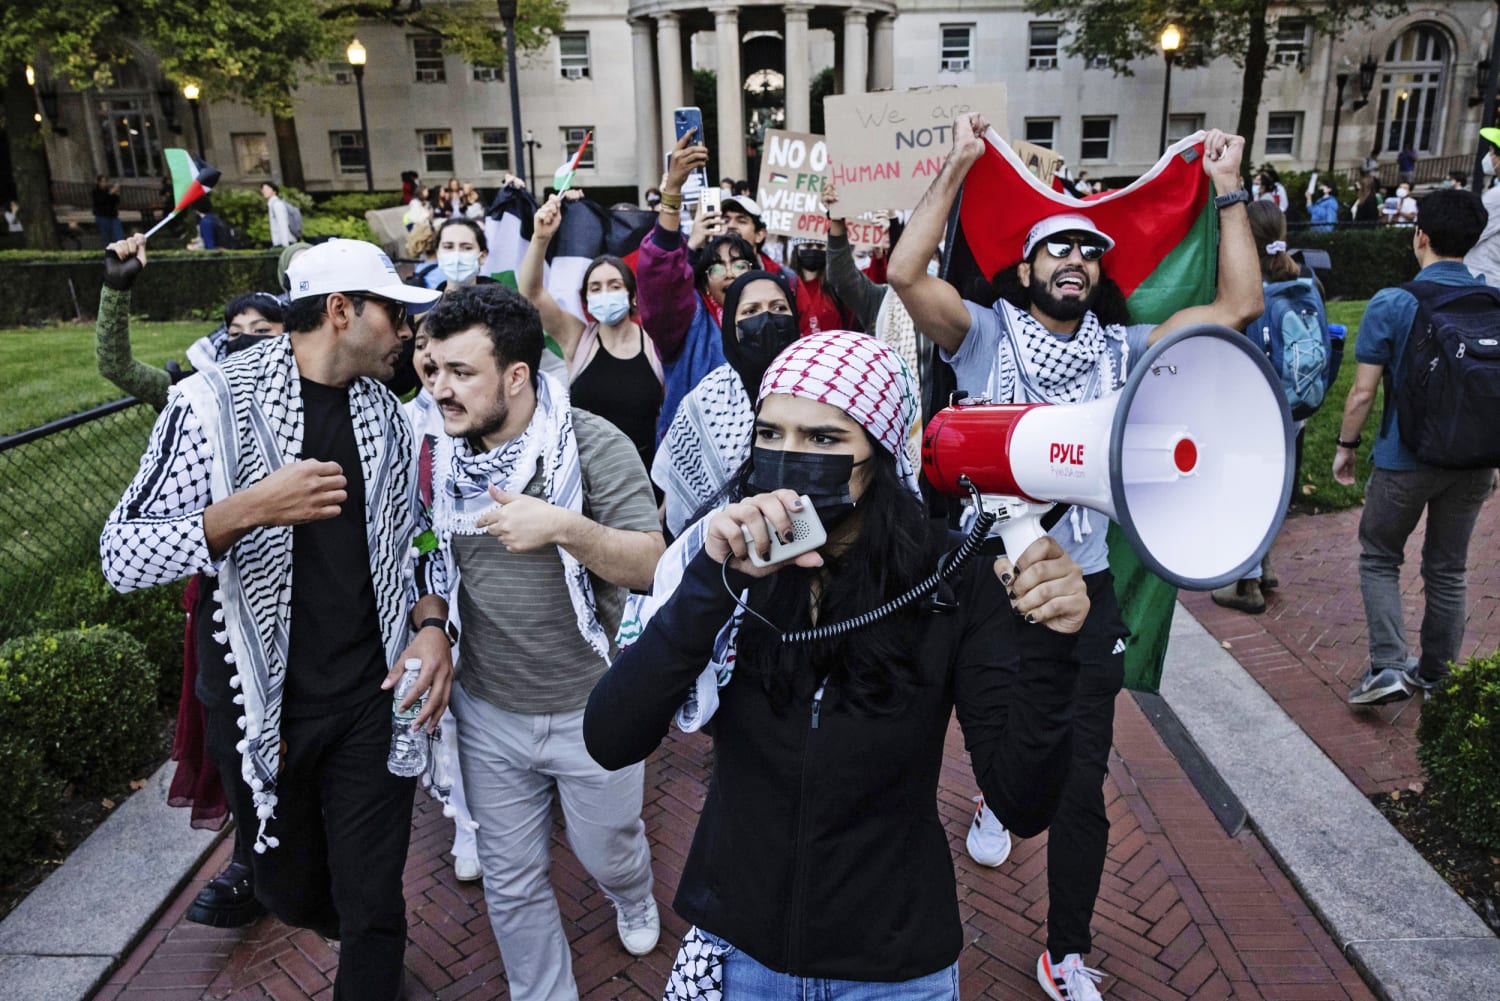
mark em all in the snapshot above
pixel 531 144
pixel 1341 81
pixel 190 91
pixel 508 18
pixel 357 56
pixel 1171 41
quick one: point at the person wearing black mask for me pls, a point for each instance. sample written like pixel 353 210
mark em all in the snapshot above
pixel 818 307
pixel 709 437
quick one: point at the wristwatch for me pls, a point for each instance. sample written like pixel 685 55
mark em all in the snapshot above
pixel 1223 202
pixel 448 628
pixel 1341 443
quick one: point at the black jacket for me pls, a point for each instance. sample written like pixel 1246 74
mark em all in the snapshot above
pixel 819 851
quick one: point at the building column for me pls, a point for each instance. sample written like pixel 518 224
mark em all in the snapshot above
pixel 669 61
pixel 731 137
pixel 883 65
pixel 856 51
pixel 648 146
pixel 798 84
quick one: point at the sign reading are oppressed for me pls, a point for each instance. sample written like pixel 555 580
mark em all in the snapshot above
pixel 793 167
pixel 885 148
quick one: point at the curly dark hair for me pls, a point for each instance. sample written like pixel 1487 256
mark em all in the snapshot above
pixel 514 325
pixel 709 255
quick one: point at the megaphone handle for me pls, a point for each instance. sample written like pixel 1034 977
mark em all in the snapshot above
pixel 1019 533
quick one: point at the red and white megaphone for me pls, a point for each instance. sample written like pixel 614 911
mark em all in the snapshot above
pixel 1192 457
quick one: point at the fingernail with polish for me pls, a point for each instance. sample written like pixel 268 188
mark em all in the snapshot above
pixel 1011 595
pixel 1031 619
pixel 1006 578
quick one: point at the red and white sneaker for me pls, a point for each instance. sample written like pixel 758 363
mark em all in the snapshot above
pixel 1068 980
pixel 988 841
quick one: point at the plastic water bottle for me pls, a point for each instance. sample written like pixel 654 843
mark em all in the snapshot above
pixel 1337 332
pixel 409 746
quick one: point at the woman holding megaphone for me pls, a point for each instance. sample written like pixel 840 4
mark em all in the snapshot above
pixel 820 861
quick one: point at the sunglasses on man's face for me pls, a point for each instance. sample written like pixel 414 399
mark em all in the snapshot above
pixel 735 268
pixel 1060 249
pixel 395 310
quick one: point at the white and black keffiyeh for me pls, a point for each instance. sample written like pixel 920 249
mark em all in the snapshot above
pixel 249 411
pixel 548 442
pixel 698 971
pixel 707 442
pixel 1046 369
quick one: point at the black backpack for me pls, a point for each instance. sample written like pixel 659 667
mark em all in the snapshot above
pixel 1448 394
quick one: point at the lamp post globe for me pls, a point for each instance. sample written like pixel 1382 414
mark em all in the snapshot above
pixel 357 56
pixel 191 91
pixel 1171 41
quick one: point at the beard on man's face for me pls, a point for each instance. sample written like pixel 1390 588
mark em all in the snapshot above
pixel 1065 308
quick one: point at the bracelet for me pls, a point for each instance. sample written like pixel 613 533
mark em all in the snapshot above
pixel 1341 443
pixel 673 202
pixel 438 623
pixel 1223 202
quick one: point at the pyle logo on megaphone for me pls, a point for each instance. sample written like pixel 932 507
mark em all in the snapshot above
pixel 1192 457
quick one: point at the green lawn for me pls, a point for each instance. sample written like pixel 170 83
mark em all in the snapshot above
pixel 1317 491
pixel 50 372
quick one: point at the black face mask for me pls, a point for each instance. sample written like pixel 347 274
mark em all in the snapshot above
pixel 822 477
pixel 760 339
pixel 811 258
pixel 239 343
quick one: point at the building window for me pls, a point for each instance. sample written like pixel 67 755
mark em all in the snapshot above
pixel 958 47
pixel 427 54
pixel 1293 38
pixel 437 151
pixel 340 73
pixel 1097 63
pixel 252 154
pixel 572 135
pixel 494 149
pixel 1410 88
pixel 1098 139
pixel 1041 54
pixel 348 152
pixel 132 145
pixel 1182 126
pixel 489 74
pixel 574 49
pixel 1042 132
pixel 1283 133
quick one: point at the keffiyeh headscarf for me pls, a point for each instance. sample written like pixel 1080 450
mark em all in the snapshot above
pixel 862 376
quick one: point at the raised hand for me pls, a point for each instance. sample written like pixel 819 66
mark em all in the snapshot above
pixel 687 156
pixel 734 530
pixel 123 260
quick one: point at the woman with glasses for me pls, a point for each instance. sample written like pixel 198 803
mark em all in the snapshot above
pixel 709 437
pixel 682 296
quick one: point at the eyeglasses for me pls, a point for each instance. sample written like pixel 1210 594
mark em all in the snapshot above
pixel 735 268
pixel 1060 249
pixel 395 310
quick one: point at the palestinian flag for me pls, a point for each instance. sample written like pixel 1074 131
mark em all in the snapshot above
pixel 1165 258
pixel 191 180
pixel 562 178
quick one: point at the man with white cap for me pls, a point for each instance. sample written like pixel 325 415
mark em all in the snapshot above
pixel 1060 332
pixel 286 475
pixel 1484 259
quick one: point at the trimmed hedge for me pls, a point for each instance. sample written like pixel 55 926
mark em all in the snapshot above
pixel 29 800
pixel 1459 745
pixel 1365 259
pixel 178 285
pixel 83 700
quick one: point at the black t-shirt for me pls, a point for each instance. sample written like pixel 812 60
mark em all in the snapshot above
pixel 335 657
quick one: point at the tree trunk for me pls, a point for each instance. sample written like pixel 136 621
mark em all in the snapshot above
pixel 289 152
pixel 1254 78
pixel 28 159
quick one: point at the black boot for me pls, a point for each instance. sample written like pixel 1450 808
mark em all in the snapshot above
pixel 228 901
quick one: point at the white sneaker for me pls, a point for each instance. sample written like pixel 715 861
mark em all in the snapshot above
pixel 466 869
pixel 639 926
pixel 988 841
pixel 1069 980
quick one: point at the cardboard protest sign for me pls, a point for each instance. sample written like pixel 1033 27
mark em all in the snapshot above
pixel 793 167
pixel 885 148
pixel 1040 160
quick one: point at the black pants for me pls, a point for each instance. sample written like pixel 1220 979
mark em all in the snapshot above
pixel 1078 839
pixel 344 822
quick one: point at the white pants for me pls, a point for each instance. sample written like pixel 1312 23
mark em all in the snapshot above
pixel 463 837
pixel 512 764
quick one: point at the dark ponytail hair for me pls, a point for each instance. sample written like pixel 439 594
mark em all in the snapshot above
pixel 1267 226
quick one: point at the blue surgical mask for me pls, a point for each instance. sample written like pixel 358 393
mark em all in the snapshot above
pixel 609 308
pixel 459 266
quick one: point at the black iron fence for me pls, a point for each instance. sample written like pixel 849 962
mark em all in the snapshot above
pixel 58 483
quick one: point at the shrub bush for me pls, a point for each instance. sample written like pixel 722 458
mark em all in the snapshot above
pixel 355 203
pixel 1459 745
pixel 154 616
pixel 1365 259
pixel 29 799
pixel 82 700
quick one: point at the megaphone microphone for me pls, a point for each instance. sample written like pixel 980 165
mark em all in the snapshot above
pixel 1192 457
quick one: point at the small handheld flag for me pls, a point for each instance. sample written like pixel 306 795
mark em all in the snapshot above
pixel 562 178
pixel 191 180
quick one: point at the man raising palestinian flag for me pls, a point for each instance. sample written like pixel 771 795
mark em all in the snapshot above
pixel 1076 288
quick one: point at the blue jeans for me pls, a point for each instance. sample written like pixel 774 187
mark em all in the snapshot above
pixel 1394 501
pixel 747 980
pixel 111 230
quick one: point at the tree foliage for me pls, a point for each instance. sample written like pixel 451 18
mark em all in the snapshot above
pixel 1119 31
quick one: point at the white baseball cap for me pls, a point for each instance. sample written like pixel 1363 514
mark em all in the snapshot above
pixel 1066 222
pixel 744 204
pixel 352 266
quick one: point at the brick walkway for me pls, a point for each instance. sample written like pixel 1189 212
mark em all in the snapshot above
pixel 1184 912
pixel 1309 648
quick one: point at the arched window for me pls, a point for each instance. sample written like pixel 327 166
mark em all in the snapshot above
pixel 130 138
pixel 1411 90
